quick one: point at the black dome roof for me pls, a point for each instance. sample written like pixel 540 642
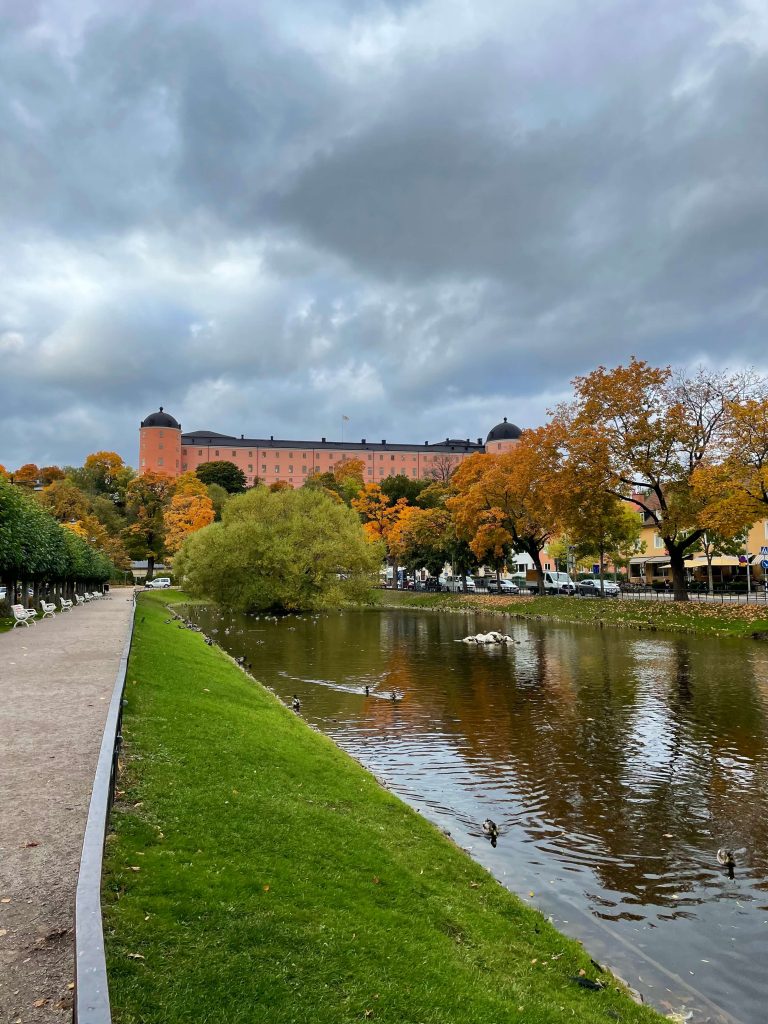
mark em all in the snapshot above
pixel 160 419
pixel 504 432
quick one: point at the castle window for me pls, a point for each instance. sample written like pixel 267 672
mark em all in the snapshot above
pixel 277 469
pixel 183 451
pixel 234 453
pixel 263 468
pixel 160 461
pixel 250 469
pixel 161 446
pixel 290 469
pixel 162 433
pixel 184 466
pixel 304 468
pixel 250 455
pixel 215 453
pixel 199 451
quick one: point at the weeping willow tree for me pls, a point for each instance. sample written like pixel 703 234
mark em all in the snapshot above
pixel 286 550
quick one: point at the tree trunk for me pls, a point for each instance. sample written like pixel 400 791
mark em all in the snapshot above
pixel 710 579
pixel 602 569
pixel 150 568
pixel 677 565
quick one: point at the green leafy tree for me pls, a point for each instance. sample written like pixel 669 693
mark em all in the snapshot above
pixel 402 486
pixel 225 474
pixel 284 550
pixel 219 497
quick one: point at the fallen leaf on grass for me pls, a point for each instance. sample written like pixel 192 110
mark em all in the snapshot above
pixel 5 899
pixel 135 956
pixel 582 972
pixel 39 1002
pixel 71 985
pixel 30 844
pixel 474 885
pixel 376 880
pixel 133 867
pixel 266 888
pixel 368 1014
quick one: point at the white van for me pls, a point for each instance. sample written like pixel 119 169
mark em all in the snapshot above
pixel 554 582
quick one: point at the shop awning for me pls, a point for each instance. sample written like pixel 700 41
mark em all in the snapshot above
pixel 700 562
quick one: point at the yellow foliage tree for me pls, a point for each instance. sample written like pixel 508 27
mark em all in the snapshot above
pixel 186 514
pixel 735 488
pixel 189 484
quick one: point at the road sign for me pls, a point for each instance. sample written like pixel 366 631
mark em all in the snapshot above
pixel 764 564
pixel 764 551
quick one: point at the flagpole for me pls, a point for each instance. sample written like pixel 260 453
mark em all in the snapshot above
pixel 342 429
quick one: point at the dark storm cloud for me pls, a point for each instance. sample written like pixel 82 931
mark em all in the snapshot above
pixel 422 215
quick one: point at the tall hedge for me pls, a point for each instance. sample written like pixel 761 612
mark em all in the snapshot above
pixel 35 548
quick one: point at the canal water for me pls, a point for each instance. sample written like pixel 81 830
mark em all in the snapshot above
pixel 615 764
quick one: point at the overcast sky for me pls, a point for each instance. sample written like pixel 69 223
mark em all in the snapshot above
pixel 422 215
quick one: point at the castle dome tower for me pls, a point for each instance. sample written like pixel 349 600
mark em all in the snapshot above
pixel 160 444
pixel 502 437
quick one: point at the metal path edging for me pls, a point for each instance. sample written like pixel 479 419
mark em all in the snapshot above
pixel 91 1002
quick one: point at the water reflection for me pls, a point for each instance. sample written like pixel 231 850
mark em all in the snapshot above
pixel 615 766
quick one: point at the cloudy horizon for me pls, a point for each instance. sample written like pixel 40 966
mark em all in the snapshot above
pixel 422 215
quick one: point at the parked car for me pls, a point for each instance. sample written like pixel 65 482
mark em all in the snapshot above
pixel 610 589
pixel 160 583
pixel 502 586
pixel 455 584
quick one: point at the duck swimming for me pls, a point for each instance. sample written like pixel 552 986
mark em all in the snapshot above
pixel 491 829
pixel 727 859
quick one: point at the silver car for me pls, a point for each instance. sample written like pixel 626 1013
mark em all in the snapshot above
pixel 586 587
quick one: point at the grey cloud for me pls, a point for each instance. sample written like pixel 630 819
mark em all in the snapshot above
pixel 263 217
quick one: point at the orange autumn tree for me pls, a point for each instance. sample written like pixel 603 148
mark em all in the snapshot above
pixel 27 475
pixel 508 502
pixel 147 497
pixel 186 514
pixel 656 429
pixel 379 515
pixel 3 473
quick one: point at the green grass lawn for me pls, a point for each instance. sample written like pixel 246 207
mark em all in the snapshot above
pixel 691 617
pixel 257 874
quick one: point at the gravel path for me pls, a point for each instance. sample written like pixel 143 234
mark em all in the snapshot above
pixel 56 679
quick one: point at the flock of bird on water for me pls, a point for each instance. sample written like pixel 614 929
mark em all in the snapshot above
pixel 725 857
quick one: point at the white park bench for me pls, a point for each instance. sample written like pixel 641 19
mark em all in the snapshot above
pixel 87 596
pixel 22 616
pixel 65 604
pixel 79 599
pixel 49 608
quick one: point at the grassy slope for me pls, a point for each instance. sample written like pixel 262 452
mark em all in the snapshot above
pixel 691 617
pixel 278 882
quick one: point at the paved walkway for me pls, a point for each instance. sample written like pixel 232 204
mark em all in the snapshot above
pixel 56 679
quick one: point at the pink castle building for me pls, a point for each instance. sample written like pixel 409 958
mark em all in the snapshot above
pixel 164 448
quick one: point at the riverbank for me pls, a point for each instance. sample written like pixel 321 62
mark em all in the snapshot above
pixel 743 620
pixel 257 873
